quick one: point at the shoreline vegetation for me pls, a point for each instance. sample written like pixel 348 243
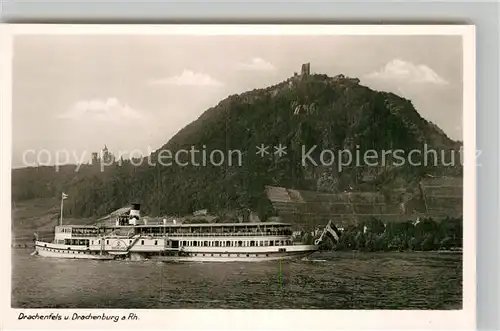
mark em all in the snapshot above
pixel 375 236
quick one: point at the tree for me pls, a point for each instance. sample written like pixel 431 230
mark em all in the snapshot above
pixel 374 226
pixel 428 242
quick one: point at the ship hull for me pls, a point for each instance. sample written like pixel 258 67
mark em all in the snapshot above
pixel 62 252
pixel 207 254
pixel 291 253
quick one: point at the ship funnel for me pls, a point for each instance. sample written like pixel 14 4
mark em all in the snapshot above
pixel 135 214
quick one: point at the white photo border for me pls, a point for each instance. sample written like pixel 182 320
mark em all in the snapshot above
pixel 256 319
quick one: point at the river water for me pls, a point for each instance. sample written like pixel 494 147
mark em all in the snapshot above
pixel 329 280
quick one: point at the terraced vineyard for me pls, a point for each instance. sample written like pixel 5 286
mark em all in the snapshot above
pixel 435 197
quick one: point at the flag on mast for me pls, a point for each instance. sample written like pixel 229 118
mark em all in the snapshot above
pixel 63 197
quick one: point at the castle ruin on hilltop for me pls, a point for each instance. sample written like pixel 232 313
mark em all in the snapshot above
pixel 305 71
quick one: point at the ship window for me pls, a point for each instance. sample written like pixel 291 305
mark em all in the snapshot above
pixel 205 243
pixel 212 255
pixel 228 243
pixel 252 243
pixel 142 242
pixel 195 243
pixel 156 242
pixel 277 243
pixel 271 243
pixel 261 243
pixel 240 243
pixel 248 255
pixel 107 242
pixel 216 244
pixel 267 255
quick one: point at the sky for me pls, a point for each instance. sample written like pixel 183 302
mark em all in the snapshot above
pixel 74 94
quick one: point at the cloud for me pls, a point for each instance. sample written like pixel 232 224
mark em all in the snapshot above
pixel 406 71
pixel 256 64
pixel 188 78
pixel 102 110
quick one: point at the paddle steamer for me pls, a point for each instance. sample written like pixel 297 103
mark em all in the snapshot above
pixel 130 238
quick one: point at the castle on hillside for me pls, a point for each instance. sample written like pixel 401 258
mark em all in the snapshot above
pixel 106 157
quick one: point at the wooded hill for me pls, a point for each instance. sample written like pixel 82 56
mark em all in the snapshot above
pixel 332 113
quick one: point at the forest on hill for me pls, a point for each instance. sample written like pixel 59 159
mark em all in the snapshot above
pixel 329 112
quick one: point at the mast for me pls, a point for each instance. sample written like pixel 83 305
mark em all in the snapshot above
pixel 63 197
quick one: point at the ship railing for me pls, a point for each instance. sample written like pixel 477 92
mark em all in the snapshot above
pixel 84 234
pixel 190 234
pixel 217 234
